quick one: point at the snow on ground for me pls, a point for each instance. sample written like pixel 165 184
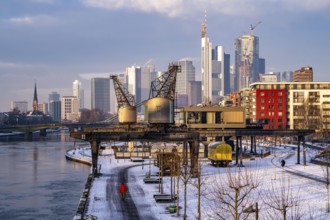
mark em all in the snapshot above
pixel 312 193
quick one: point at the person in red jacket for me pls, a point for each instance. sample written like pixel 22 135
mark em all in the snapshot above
pixel 122 190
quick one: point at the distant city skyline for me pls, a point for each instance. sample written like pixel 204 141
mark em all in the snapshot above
pixel 56 42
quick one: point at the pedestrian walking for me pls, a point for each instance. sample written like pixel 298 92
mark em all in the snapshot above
pixel 282 163
pixel 122 191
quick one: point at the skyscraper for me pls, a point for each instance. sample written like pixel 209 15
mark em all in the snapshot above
pixel 247 62
pixel 194 90
pixel 206 66
pixel 55 110
pixel 100 94
pixel 220 73
pixel 78 92
pixel 148 74
pixel 138 80
pixel 232 78
pixel 54 96
pixel 54 106
pixel 215 69
pixel 134 83
pixel 186 75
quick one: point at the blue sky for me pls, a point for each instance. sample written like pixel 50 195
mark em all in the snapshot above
pixel 57 41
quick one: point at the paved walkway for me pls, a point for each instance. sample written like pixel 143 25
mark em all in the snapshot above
pixel 104 199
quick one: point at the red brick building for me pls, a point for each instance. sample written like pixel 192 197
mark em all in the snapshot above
pixel 271 106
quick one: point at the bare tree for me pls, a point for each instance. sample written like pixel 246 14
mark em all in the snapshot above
pixel 231 195
pixel 326 174
pixel 325 121
pixel 185 176
pixel 313 214
pixel 199 184
pixel 282 201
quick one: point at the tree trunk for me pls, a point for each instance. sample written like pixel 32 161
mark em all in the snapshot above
pixel 328 198
pixel 185 194
pixel 177 195
pixel 199 193
pixel 236 205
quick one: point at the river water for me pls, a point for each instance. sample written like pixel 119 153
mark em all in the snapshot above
pixel 36 180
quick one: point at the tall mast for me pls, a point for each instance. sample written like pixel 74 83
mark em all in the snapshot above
pixel 204 26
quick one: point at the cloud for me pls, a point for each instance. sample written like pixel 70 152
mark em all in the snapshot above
pixel 10 65
pixel 21 20
pixel 172 8
pixel 306 5
pixel 43 1
pixel 182 8
pixel 38 20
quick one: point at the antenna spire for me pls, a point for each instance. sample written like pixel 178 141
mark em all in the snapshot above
pixel 204 25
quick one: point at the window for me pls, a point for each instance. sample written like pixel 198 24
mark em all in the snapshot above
pixel 279 94
pixel 203 117
pixel 262 94
pixel 218 117
pixel 280 114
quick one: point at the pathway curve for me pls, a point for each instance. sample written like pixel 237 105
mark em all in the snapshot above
pixel 293 171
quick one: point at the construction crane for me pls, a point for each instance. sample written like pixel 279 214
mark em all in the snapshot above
pixel 125 101
pixel 164 86
pixel 252 27
pixel 124 98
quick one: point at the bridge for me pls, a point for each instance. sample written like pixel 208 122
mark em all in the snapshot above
pixel 189 137
pixel 29 129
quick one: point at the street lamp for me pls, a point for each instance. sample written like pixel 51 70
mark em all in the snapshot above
pixel 251 209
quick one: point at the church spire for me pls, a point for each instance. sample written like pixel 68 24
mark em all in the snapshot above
pixel 35 99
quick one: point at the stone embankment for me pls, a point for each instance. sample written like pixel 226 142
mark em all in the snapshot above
pixel 82 155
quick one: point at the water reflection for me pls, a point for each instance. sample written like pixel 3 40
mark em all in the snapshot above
pixel 36 181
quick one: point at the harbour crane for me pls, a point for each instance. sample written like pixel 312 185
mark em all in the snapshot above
pixel 127 113
pixel 164 86
pixel 124 98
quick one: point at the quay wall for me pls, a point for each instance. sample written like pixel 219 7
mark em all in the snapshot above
pixel 81 209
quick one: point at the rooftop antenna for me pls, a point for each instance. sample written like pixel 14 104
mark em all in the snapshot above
pixel 204 25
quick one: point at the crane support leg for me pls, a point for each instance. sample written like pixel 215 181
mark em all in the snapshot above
pixel 95 153
pixel 194 151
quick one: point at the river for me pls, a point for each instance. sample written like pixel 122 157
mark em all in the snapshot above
pixel 36 180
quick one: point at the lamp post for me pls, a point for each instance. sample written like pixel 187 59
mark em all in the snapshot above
pixel 251 209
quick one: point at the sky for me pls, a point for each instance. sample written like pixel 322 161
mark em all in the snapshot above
pixel 54 42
